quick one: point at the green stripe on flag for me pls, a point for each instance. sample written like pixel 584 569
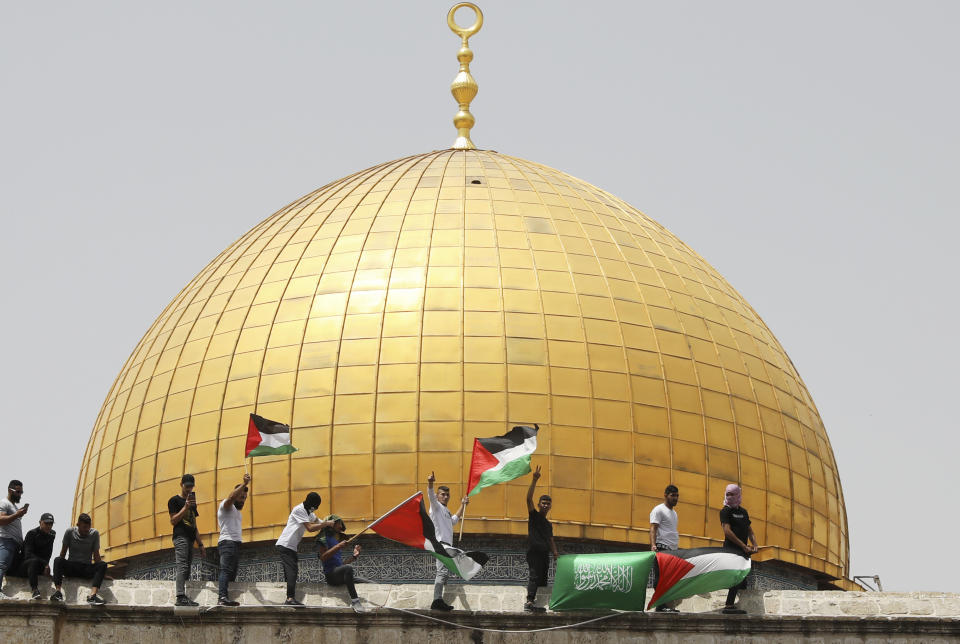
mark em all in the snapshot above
pixel 260 450
pixel 510 470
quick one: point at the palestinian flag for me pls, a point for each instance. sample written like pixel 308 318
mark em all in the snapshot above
pixel 267 437
pixel 501 458
pixel 685 573
pixel 410 524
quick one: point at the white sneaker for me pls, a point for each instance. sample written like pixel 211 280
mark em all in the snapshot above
pixel 357 606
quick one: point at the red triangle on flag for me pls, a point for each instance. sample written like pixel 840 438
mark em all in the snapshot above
pixel 672 569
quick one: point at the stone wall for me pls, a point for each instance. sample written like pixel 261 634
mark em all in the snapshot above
pixel 45 623
pixel 503 599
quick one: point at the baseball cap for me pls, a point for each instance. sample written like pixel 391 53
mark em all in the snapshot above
pixel 46 517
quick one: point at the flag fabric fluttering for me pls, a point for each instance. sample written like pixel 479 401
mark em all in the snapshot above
pixel 685 573
pixel 501 458
pixel 615 580
pixel 267 438
pixel 410 525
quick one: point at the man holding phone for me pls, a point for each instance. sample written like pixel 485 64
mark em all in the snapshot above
pixel 11 533
pixel 183 517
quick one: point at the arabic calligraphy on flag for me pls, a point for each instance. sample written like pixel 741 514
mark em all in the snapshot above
pixel 607 580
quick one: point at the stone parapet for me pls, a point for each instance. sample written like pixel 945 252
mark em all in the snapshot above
pixel 42 622
pixel 494 598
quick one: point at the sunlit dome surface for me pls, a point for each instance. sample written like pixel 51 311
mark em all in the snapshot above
pixel 394 315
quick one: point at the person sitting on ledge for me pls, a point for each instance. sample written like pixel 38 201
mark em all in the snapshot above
pixel 337 571
pixel 81 545
pixel 37 550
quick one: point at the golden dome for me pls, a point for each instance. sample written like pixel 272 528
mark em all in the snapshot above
pixel 394 315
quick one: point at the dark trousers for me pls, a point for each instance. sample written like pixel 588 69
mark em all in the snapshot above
pixel 343 576
pixel 291 568
pixel 732 593
pixel 539 563
pixel 92 571
pixel 229 557
pixel 29 568
pixel 183 554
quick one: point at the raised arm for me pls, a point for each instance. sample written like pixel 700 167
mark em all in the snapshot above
pixel 459 515
pixel 237 491
pixel 431 494
pixel 175 518
pixel 7 519
pixel 533 484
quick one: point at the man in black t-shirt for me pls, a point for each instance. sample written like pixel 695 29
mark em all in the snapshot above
pixel 539 544
pixel 735 521
pixel 183 517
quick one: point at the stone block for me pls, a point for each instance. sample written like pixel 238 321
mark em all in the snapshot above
pixel 490 602
pixel 921 607
pixel 795 605
pixel 947 606
pixel 893 606
pixel 825 606
pixel 859 606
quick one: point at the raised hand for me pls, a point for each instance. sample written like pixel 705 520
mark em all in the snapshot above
pixel 536 474
pixel 465 500
pixel 431 478
pixel 247 478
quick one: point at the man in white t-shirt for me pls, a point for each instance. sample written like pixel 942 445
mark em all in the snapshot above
pixel 443 523
pixel 230 522
pixel 663 532
pixel 11 533
pixel 302 519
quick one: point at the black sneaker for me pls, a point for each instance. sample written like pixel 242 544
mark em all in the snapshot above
pixel 226 601
pixel 666 609
pixel 292 602
pixel 96 600
pixel 530 607
pixel 183 600
pixel 36 595
pixel 439 604
pixel 733 610
pixel 56 597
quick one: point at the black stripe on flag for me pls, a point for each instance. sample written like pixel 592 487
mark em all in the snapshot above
pixel 514 438
pixel 265 426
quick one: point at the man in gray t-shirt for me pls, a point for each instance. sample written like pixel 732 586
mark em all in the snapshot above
pixel 11 534
pixel 81 545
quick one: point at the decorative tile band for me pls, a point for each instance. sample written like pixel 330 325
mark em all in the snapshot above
pixel 384 561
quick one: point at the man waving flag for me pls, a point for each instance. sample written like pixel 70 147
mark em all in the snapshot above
pixel 501 458
pixel 409 524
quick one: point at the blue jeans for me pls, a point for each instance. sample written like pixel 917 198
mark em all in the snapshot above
pixel 229 557
pixel 9 549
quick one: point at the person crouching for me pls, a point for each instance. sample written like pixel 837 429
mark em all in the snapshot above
pixel 337 571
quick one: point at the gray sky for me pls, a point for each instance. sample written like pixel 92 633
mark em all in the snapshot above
pixel 807 150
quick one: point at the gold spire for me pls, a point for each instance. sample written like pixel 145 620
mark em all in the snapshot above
pixel 464 88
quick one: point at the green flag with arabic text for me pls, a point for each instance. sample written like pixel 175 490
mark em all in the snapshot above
pixel 607 580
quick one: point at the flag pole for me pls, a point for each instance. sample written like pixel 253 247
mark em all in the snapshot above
pixel 385 515
pixel 463 518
